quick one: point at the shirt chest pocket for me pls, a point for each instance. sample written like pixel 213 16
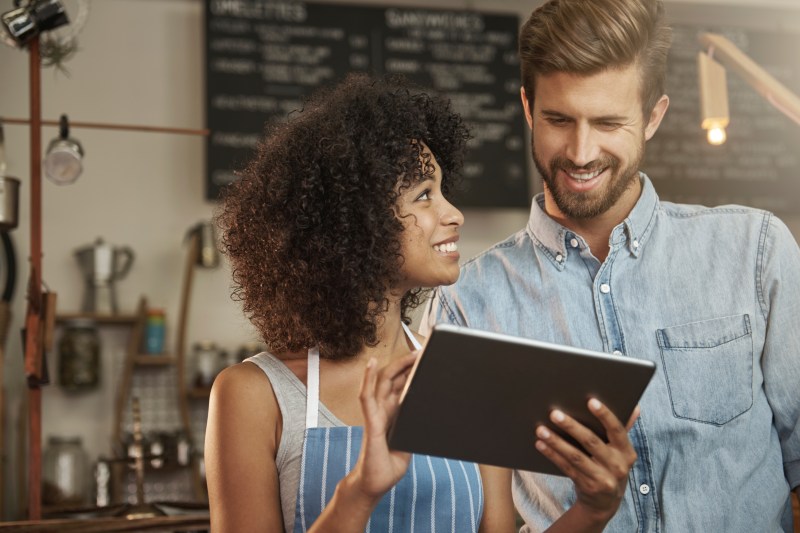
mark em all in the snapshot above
pixel 709 368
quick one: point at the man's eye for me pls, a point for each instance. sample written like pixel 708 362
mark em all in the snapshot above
pixel 557 121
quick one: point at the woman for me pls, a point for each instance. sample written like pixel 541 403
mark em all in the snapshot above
pixel 331 231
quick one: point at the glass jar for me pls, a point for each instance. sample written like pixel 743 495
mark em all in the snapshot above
pixel 207 363
pixel 156 449
pixel 65 472
pixel 79 355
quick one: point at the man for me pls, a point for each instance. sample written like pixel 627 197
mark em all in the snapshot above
pixel 711 295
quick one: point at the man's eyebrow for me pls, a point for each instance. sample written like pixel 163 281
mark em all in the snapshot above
pixel 554 114
pixel 605 118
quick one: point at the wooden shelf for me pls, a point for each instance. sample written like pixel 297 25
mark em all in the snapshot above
pixel 185 522
pixel 127 320
pixel 153 360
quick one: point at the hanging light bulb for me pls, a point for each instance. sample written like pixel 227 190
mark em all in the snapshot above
pixel 713 99
pixel 717 136
pixel 63 159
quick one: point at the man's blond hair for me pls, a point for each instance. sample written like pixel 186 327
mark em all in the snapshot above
pixel 585 37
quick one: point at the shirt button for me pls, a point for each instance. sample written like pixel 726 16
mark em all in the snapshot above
pixel 573 243
pixel 617 352
pixel 644 488
pixel 604 288
pixel 635 244
pixel 559 257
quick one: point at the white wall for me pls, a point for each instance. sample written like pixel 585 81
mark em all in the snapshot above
pixel 141 62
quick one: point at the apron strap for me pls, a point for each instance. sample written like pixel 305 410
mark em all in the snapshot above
pixel 312 380
pixel 411 336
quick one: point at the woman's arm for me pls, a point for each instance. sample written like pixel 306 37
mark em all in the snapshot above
pixel 241 442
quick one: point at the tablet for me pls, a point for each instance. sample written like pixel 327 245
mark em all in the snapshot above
pixel 478 395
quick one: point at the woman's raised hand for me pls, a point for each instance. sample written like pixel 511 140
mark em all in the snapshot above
pixel 379 468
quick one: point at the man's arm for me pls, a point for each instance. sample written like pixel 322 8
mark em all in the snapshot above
pixel 779 297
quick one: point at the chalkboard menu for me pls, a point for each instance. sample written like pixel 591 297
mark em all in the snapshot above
pixel 264 57
pixel 758 165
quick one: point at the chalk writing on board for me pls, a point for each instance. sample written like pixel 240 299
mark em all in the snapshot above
pixel 263 58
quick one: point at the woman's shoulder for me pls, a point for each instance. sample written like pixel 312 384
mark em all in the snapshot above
pixel 242 386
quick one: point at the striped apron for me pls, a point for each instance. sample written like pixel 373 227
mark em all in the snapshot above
pixel 436 494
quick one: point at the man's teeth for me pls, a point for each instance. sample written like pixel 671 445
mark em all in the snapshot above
pixel 446 247
pixel 585 176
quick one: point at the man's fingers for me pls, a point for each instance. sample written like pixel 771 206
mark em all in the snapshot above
pixel 564 455
pixel 632 420
pixel 585 436
pixel 616 432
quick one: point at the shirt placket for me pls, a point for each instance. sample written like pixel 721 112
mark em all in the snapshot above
pixel 641 475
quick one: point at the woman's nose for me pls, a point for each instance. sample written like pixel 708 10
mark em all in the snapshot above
pixel 451 215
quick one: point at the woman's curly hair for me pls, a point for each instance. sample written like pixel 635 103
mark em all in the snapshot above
pixel 311 228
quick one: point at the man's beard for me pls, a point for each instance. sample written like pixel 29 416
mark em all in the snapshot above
pixel 593 203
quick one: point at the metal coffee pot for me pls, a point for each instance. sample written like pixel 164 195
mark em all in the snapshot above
pixel 207 251
pixel 102 265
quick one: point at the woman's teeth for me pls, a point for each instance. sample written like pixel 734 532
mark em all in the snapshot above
pixel 585 176
pixel 446 247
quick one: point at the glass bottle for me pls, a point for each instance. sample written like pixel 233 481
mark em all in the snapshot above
pixel 65 472
pixel 154 332
pixel 183 448
pixel 79 355
pixel 102 482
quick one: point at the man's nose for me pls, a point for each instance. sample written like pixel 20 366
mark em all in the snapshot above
pixel 582 146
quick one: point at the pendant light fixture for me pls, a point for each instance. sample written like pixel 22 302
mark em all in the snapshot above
pixel 63 159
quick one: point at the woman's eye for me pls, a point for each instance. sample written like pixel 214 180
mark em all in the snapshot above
pixel 424 196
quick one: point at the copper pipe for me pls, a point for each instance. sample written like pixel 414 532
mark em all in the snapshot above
pixel 33 345
pixel 103 126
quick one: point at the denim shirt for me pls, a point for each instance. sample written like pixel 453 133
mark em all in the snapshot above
pixel 712 297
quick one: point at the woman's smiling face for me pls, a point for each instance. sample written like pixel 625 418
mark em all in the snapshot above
pixel 431 222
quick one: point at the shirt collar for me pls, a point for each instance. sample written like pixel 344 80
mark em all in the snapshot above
pixel 634 230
